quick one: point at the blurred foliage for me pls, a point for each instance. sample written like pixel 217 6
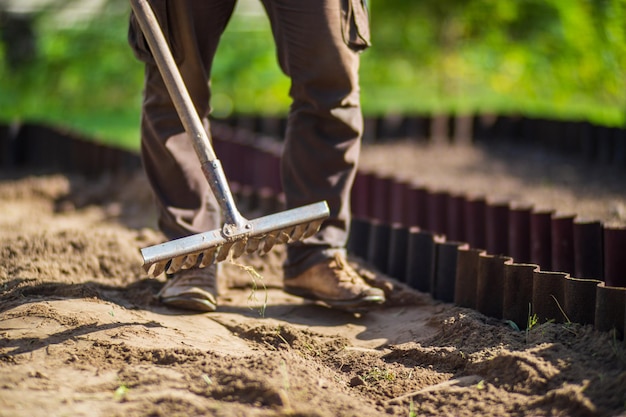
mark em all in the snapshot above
pixel 551 58
pixel 545 57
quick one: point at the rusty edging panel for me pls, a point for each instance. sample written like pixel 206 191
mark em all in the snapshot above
pixel 619 152
pixel 615 256
pixel 378 245
pixel 417 207
pixel 360 198
pixel 610 309
pixel 442 286
pixel 273 126
pixel 497 227
pixel 562 230
pixel 7 137
pixel 490 284
pixel 235 167
pixel 518 292
pixel 541 239
pixel 466 279
pixel 455 222
pixel 358 240
pixel 604 144
pixel 247 197
pixel 398 202
pixel 420 267
pixel 268 201
pixel 519 232
pixel 475 221
pixel 437 201
pixel 580 300
pixel 398 245
pixel 243 166
pixel 264 171
pixel 549 296
pixel 588 253
pixel 380 198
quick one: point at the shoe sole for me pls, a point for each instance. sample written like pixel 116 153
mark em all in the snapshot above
pixel 356 305
pixel 189 303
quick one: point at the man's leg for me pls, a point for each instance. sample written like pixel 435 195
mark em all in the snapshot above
pixel 322 143
pixel 184 200
pixel 186 204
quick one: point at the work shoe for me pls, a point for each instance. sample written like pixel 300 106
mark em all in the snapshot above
pixel 191 289
pixel 335 283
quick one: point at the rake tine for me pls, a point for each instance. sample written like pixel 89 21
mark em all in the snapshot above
pixel 283 237
pixel 157 269
pixel 312 228
pixel 238 248
pixel 222 255
pixel 176 264
pixel 298 232
pixel 269 242
pixel 208 257
pixel 253 244
pixel 191 261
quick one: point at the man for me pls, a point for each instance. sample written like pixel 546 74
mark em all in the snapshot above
pixel 318 44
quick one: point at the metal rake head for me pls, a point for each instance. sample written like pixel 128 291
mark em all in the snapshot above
pixel 203 249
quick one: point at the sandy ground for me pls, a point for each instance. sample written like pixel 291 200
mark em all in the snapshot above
pixel 81 332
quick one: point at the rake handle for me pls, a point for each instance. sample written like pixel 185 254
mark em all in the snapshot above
pixel 235 223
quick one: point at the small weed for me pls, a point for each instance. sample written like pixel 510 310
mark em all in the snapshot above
pixel 567 320
pixel 121 392
pixel 377 374
pixel 312 350
pixel 280 336
pixel 412 410
pixel 480 385
pixel 256 278
pixel 616 347
pixel 207 379
pixel 532 322
pixel 512 325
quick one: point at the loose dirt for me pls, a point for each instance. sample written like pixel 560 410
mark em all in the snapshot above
pixel 82 334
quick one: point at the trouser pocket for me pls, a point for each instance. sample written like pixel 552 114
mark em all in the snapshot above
pixel 355 24
pixel 138 42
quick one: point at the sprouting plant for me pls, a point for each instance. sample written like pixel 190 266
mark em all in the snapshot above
pixel 532 321
pixel 512 325
pixel 377 374
pixel 121 392
pixel 280 336
pixel 256 278
pixel 567 320
pixel 207 379
pixel 412 410
pixel 617 351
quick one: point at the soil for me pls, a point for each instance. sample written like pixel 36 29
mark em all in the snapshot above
pixel 82 333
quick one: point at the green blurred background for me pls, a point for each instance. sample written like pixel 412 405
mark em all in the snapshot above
pixel 68 63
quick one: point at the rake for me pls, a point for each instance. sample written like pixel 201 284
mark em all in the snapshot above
pixel 238 235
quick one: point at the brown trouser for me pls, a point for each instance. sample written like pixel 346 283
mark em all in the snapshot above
pixel 317 43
